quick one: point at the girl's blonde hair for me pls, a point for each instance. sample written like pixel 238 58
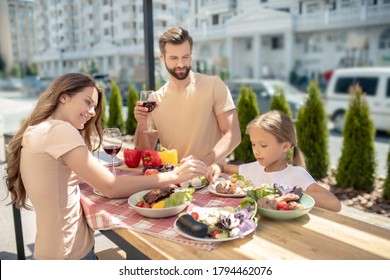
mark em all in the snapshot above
pixel 279 125
pixel 69 84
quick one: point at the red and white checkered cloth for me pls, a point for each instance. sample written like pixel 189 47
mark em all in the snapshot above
pixel 104 213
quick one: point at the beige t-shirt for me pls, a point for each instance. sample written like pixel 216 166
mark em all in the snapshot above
pixel 62 231
pixel 187 121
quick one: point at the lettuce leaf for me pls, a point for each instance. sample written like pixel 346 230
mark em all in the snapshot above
pixel 179 197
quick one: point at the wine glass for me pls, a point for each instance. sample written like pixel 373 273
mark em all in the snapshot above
pixel 112 143
pixel 147 102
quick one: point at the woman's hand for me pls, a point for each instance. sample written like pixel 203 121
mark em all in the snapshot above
pixel 190 168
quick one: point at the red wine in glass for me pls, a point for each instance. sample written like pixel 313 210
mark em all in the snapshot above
pixel 149 104
pixel 112 143
pixel 112 150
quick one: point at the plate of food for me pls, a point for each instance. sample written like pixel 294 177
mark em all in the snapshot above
pixel 235 186
pixel 198 182
pixel 161 202
pixel 215 224
pixel 282 202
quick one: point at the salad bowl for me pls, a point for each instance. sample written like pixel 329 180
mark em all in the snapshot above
pixel 306 200
pixel 154 212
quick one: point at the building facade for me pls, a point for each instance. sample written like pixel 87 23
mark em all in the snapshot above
pixel 17 44
pixel 290 39
pixel 109 32
pixel 286 39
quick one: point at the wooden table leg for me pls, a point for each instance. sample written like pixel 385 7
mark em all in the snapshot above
pixel 131 252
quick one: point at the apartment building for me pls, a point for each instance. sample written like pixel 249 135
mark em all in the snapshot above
pixel 241 38
pixel 17 43
pixel 279 38
pixel 74 33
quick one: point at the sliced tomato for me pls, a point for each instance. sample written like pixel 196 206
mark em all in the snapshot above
pixel 195 215
pixel 140 204
pixel 281 205
pixel 214 233
pixel 151 171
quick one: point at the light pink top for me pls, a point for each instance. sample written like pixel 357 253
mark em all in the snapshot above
pixel 62 231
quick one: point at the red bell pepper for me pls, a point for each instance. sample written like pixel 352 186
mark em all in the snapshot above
pixel 132 157
pixel 151 157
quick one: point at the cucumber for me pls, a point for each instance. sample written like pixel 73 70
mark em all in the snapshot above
pixel 189 225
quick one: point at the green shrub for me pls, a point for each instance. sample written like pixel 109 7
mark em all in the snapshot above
pixel 115 118
pixel 247 110
pixel 386 184
pixel 313 134
pixel 279 102
pixel 131 122
pixel 356 167
pixel 104 104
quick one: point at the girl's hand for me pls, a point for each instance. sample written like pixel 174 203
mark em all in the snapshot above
pixel 213 172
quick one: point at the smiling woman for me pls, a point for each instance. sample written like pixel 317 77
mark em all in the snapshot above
pixel 49 155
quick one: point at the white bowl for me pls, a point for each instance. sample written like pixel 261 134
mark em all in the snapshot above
pixel 306 200
pixel 154 212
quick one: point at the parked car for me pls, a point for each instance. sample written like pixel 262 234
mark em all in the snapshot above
pixel 374 81
pixel 106 81
pixel 265 89
pixel 34 85
pixel 11 84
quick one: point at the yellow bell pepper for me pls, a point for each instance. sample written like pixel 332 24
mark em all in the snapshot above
pixel 168 156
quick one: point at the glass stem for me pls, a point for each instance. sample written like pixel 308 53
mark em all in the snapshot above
pixel 113 166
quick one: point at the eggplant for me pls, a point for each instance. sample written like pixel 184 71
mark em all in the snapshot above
pixel 189 225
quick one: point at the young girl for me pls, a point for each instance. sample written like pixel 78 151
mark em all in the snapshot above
pixel 52 146
pixel 272 135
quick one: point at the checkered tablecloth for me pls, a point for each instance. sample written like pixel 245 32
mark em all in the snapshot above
pixel 103 214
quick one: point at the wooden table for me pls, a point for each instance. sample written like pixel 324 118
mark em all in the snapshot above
pixel 319 235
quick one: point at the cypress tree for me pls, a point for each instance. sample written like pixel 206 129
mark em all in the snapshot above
pixel 247 110
pixel 131 122
pixel 115 118
pixel 356 167
pixel 386 184
pixel 312 133
pixel 279 102
pixel 104 104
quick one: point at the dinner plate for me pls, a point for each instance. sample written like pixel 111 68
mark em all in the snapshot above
pixel 209 239
pixel 211 188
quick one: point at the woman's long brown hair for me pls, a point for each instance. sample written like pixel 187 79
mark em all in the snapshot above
pixel 69 84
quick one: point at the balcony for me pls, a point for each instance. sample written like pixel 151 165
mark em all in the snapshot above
pixel 363 15
pixel 216 7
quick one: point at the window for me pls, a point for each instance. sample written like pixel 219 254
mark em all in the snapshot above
pixel 343 85
pixel 388 88
pixel 277 43
pixel 215 19
pixel 384 40
pixel 368 84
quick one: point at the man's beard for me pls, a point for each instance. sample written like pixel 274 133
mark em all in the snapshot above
pixel 180 76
